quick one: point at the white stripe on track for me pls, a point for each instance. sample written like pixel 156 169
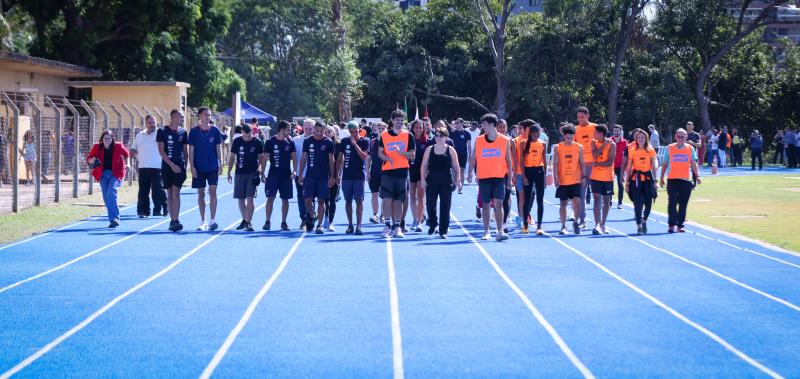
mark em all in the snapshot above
pixel 672 311
pixel 29 239
pixel 93 252
pixel 528 303
pixel 77 328
pixel 397 342
pixel 251 308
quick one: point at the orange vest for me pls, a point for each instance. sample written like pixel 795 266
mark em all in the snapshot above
pixel 642 159
pixel 519 144
pixel 491 157
pixel 392 147
pixel 603 173
pixel 584 135
pixel 534 156
pixel 569 171
pixel 680 162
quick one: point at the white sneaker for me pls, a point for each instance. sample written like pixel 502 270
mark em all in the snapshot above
pixel 502 237
pixel 398 233
pixel 486 237
pixel 203 227
pixel 386 232
pixel 331 228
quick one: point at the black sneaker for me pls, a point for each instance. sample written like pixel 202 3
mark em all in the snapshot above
pixel 576 227
pixel 349 230
pixel 113 224
pixel 143 216
pixel 505 230
pixel 266 226
pixel 284 226
pixel 431 229
pixel 639 230
pixel 242 225
pixel 178 226
pixel 358 231
pixel 478 213
pixel 319 230
pixel 249 227
pixel 644 227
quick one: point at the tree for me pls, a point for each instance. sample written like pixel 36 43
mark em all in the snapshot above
pixel 629 12
pixel 495 29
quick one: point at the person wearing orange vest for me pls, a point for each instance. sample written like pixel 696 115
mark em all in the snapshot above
pixel 396 148
pixel 491 162
pixel 533 159
pixel 604 150
pixel 681 164
pixel 568 170
pixel 641 174
pixel 584 135
pixel 519 169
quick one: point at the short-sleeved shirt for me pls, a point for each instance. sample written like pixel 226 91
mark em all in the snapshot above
pixel 352 164
pixel 693 137
pixel 622 152
pixel 247 155
pixel 280 155
pixel 642 159
pixel 375 160
pixel 411 145
pixel 317 157
pixel 147 149
pixel 461 141
pixel 174 141
pixel 205 148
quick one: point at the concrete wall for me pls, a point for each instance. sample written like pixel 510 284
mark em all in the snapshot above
pixel 42 84
pixel 165 98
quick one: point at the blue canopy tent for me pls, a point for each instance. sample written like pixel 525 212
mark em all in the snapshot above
pixel 249 111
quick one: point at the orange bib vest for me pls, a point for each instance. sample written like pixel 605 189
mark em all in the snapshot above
pixel 603 173
pixel 568 164
pixel 392 147
pixel 491 157
pixel 680 162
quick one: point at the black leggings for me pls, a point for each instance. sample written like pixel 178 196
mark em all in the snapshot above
pixel 330 203
pixel 535 177
pixel 506 205
pixel 620 184
pixel 756 154
pixel 642 196
pixel 444 193
pixel 678 192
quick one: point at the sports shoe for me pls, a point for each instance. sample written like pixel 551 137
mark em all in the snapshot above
pixel 639 230
pixel 267 226
pixel 576 228
pixel 143 216
pixel 477 213
pixel 175 226
pixel 203 227
pixel 358 231
pixel 619 205
pixel 249 227
pixel 671 229
pixel 432 229
pixel 113 224
pixel 604 230
pixel 213 226
pixel 418 229
pixel 319 230
pixel 302 226
pixel 331 228
pixel 486 237
pixel 681 229
pixel 524 229
pixel 539 232
pixel 596 231
pixel 501 237
pixel 644 227
pixel 505 230
pixel 349 229
pixel 242 225
pixel 563 231
pixel 443 236
pixel 374 219
pixel 386 232
pixel 583 225
pixel 284 227
pixel 398 233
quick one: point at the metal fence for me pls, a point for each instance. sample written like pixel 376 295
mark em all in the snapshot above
pixel 44 144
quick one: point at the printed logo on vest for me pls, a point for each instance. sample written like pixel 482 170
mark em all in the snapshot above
pixel 490 152
pixel 396 146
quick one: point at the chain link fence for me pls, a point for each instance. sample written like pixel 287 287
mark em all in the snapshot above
pixel 44 144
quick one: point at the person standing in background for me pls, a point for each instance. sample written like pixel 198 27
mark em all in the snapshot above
pixel 145 150
pixel 756 150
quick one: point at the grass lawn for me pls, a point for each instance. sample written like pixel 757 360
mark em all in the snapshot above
pixel 766 208
pixel 16 226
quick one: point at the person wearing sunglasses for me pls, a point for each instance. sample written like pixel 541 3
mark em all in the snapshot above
pixel 680 164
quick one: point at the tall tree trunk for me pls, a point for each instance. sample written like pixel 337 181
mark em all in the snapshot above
pixel 630 13
pixel 345 111
pixel 500 78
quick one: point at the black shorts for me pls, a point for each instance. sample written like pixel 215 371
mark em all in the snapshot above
pixel 315 188
pixel 210 177
pixel 279 183
pixel 243 186
pixel 462 159
pixel 393 187
pixel 171 178
pixel 374 183
pixel 492 188
pixel 414 174
pixel 568 192
pixel 603 188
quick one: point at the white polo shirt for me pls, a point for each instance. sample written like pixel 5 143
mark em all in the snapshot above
pixel 147 149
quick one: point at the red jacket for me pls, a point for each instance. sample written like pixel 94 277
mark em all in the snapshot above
pixel 118 157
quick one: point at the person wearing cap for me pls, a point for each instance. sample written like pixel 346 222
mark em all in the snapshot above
pixel 351 155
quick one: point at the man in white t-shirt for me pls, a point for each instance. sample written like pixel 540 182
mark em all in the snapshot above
pixel 308 130
pixel 474 132
pixel 145 150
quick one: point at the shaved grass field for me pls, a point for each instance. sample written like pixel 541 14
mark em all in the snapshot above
pixel 766 208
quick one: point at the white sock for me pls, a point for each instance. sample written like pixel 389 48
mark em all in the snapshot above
pixel 212 221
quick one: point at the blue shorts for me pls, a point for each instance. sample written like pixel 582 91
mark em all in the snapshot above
pixel 279 183
pixel 315 188
pixel 353 189
pixel 210 177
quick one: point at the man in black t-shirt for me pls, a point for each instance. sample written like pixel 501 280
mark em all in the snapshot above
pixel 462 143
pixel 281 154
pixel 320 165
pixel 172 146
pixel 350 161
pixel 246 152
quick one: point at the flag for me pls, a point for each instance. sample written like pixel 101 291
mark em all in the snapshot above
pixel 426 110
pixel 416 114
pixel 405 107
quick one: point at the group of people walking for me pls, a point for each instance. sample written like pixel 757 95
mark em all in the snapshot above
pixel 414 167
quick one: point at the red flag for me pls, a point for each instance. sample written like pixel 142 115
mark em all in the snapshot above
pixel 426 110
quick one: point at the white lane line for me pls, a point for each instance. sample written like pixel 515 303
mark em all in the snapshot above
pixel 29 239
pixel 710 270
pixel 50 346
pixel 672 311
pixel 528 303
pixel 91 253
pixel 397 341
pixel 220 354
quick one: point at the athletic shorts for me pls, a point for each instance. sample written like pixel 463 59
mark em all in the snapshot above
pixel 315 188
pixel 172 179
pixel 243 186
pixel 279 183
pixel 375 183
pixel 603 188
pixel 353 189
pixel 519 182
pixel 462 160
pixel 568 192
pixel 393 188
pixel 210 177
pixel 492 188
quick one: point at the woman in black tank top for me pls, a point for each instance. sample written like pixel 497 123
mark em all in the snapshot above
pixel 439 165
